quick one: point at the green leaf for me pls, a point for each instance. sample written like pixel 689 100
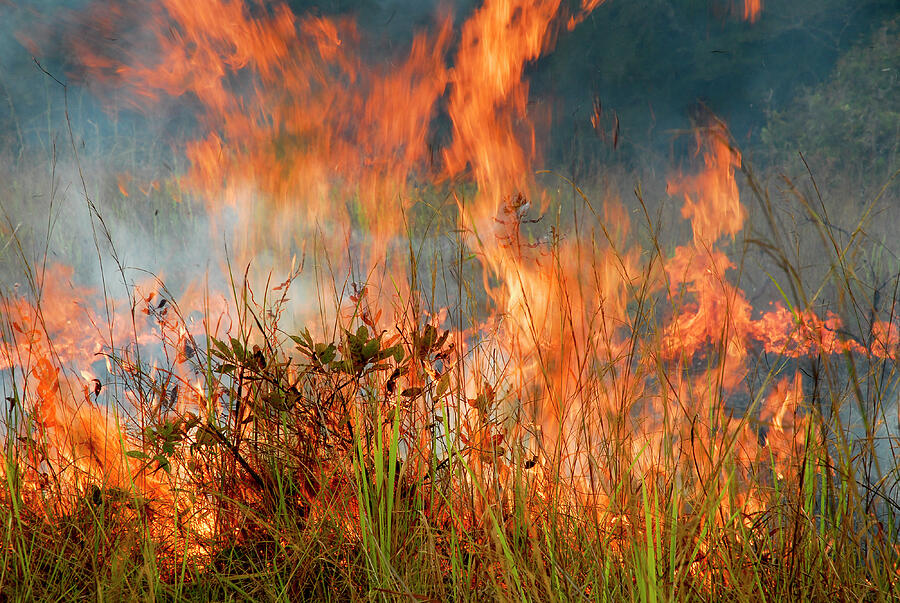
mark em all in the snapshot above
pixel 784 297
pixel 325 353
pixel 304 342
pixel 442 386
pixel 276 400
pixel 163 462
pixel 239 351
pixel 205 436
pixel 399 353
pixel 370 349
pixel 222 349
pixel 137 454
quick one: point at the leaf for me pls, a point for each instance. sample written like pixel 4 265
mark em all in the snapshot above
pixel 205 436
pixel 190 421
pixel 222 349
pixel 442 386
pixel 392 381
pixel 370 349
pixel 327 353
pixel 239 351
pixel 164 430
pixel 484 400
pixel 399 353
pixel 411 392
pixel 137 454
pixel 163 462
pixel 441 340
pixel 344 366
pixel 427 341
pixel 277 400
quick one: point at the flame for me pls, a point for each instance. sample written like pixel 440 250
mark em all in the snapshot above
pixel 587 7
pixel 488 95
pixel 712 203
pixel 301 131
pixel 752 10
pixel 295 117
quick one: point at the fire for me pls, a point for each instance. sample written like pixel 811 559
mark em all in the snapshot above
pixel 711 200
pixel 301 132
pixel 488 94
pixel 752 10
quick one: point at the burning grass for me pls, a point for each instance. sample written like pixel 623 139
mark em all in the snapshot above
pixel 458 394
pixel 628 429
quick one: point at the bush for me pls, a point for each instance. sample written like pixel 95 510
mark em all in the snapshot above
pixel 850 124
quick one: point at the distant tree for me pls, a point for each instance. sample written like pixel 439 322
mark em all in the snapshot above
pixel 652 60
pixel 850 123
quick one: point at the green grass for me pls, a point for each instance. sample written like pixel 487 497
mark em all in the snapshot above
pixel 371 453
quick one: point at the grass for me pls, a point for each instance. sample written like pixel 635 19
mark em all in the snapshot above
pixel 374 451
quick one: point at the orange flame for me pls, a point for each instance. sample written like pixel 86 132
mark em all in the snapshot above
pixel 301 131
pixel 752 9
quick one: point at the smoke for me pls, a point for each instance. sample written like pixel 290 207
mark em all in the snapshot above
pixel 646 63
pixel 93 175
pixel 83 173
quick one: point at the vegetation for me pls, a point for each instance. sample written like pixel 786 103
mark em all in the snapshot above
pixel 354 465
pixel 594 401
pixel 850 124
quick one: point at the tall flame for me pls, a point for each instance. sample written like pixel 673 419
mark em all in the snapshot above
pixel 300 133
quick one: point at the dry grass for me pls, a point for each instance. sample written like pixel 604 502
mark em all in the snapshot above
pixel 380 453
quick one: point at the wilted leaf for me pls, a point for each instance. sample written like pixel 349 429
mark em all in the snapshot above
pixel 441 340
pixel 391 383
